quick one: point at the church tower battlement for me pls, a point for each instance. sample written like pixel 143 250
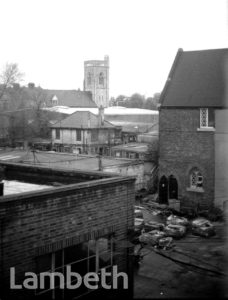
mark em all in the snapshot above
pixel 96 80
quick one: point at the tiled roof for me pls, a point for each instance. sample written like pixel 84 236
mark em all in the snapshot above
pixel 196 79
pixel 82 119
pixel 71 98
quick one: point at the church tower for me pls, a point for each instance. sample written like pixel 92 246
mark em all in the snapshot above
pixel 96 80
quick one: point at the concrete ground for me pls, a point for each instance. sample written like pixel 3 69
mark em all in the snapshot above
pixel 159 277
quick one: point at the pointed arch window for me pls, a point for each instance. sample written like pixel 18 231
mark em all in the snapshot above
pixel 89 79
pixel 101 78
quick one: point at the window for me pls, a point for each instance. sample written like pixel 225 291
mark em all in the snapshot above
pixel 54 100
pixel 57 134
pixel 131 155
pixel 90 256
pixel 89 79
pixel 196 179
pixel 203 117
pixel 206 118
pixel 94 135
pixel 117 154
pixel 101 78
pixel 78 135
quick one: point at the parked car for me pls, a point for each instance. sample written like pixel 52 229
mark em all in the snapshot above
pixel 175 220
pixel 139 225
pixel 152 237
pixel 175 231
pixel 139 220
pixel 138 213
pixel 203 227
pixel 152 225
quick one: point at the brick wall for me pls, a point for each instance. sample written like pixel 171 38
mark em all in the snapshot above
pixel 42 222
pixel 182 147
pixel 221 158
pixel 130 169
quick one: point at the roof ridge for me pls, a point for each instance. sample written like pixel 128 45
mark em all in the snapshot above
pixel 204 50
pixel 171 72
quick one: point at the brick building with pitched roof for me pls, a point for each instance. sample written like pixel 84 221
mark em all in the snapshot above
pixel 193 131
pixel 85 132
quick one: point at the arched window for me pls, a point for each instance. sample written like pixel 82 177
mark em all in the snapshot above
pixel 101 78
pixel 89 79
pixel 196 179
pixel 173 187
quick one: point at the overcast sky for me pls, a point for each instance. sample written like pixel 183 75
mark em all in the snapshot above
pixel 50 39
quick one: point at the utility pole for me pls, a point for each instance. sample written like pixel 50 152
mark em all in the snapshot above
pixel 99 162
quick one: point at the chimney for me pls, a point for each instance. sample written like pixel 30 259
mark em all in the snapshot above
pixel 101 116
pixel 89 120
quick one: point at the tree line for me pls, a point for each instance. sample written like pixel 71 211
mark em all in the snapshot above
pixel 136 101
pixel 21 115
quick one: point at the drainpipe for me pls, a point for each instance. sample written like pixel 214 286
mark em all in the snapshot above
pixel 1 189
pixel 1 183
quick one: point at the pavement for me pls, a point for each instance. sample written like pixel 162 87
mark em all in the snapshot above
pixel 160 277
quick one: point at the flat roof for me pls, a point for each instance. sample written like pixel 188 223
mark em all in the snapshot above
pixel 134 127
pixel 12 187
pixel 134 147
pixel 68 178
pixel 63 160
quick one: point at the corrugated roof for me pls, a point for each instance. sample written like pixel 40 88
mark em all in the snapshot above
pixel 138 147
pixel 82 119
pixel 134 127
pixel 112 110
pixel 196 79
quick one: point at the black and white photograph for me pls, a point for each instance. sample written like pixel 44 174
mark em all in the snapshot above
pixel 113 149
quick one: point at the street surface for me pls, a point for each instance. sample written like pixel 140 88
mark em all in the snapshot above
pixel 160 277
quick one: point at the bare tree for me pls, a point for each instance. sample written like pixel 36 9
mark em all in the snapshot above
pixel 9 76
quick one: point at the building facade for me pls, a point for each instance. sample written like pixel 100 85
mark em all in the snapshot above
pixel 84 132
pixel 96 80
pixel 192 136
pixel 83 222
pixel 144 153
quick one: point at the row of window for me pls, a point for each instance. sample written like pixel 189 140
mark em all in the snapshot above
pixel 131 155
pixel 78 134
pixel 90 256
pixel 78 138
pixel 100 79
pixel 195 180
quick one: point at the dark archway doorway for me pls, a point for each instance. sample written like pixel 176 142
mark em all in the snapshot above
pixel 163 190
pixel 173 187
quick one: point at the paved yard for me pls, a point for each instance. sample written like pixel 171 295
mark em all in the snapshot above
pixel 159 277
